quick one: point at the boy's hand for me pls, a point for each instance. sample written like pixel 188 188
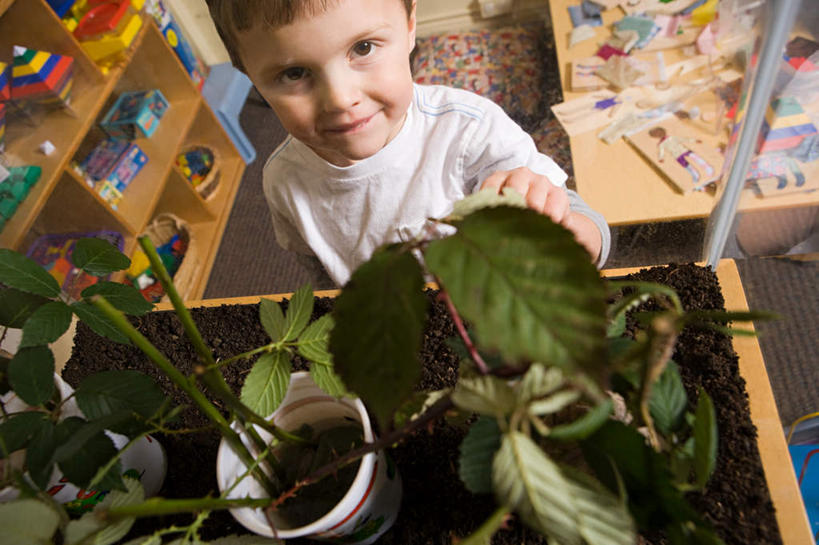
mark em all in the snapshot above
pixel 550 200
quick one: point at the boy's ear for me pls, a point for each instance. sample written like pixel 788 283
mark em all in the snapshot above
pixel 412 25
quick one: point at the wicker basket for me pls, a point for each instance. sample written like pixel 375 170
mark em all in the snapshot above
pixel 161 229
pixel 207 187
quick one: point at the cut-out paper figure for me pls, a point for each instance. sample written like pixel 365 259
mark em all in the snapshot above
pixel 679 149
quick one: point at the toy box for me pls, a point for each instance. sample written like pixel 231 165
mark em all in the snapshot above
pixel 111 166
pixel 135 114
pixel 53 252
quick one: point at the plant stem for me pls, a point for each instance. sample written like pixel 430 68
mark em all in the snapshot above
pixel 162 506
pixel 459 325
pixel 182 382
pixel 434 412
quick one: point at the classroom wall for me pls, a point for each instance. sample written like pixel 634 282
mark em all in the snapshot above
pixel 434 16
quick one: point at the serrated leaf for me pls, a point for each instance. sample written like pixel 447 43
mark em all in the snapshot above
pixel 585 425
pixel 109 392
pixel 18 271
pixel 18 430
pixel 272 318
pixel 16 306
pixel 486 198
pixel 476 454
pixel 28 522
pixel 314 341
pixel 47 324
pixel 98 257
pixel 38 454
pixel 553 403
pixel 529 289
pixel 379 317
pixel 98 322
pixel 82 449
pixel 532 485
pixel 325 378
pixel 705 439
pixel 538 382
pixel 266 384
pixel 90 529
pixel 125 298
pixel 487 395
pixel 298 312
pixel 602 518
pixel 668 400
pixel 31 374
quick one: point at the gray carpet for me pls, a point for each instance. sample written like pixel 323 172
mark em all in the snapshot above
pixel 249 261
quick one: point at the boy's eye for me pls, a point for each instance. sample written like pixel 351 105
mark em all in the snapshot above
pixel 294 73
pixel 364 48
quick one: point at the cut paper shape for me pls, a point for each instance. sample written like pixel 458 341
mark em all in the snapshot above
pixel 619 72
pixel 579 17
pixel 581 34
pixel 41 77
pixel 785 126
pixel 687 162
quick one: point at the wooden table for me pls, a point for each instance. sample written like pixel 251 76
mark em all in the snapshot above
pixel 613 178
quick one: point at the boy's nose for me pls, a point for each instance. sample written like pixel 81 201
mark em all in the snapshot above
pixel 339 93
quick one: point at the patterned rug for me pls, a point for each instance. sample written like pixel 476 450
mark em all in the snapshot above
pixel 514 66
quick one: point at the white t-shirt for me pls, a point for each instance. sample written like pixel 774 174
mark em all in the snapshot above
pixel 450 142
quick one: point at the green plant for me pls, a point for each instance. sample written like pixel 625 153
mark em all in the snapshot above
pixel 545 368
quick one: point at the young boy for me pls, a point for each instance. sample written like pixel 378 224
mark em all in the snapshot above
pixel 370 155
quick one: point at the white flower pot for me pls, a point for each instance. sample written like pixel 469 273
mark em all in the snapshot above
pixel 369 507
pixel 145 460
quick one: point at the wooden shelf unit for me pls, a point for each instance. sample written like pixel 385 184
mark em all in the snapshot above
pixel 61 201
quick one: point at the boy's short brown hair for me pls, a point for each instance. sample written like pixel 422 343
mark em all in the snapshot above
pixel 234 16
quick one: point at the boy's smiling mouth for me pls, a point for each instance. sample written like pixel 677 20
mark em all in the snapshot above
pixel 350 128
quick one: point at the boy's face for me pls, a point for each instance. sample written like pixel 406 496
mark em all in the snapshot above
pixel 339 81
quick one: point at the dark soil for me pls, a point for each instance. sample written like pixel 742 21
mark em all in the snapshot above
pixel 436 507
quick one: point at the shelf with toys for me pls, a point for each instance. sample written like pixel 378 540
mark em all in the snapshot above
pixel 625 179
pixel 70 196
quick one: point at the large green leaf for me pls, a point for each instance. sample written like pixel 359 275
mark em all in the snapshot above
pixel 314 340
pixel 18 430
pixel 526 285
pixel 298 313
pixel 98 322
pixel 31 374
pixel 16 306
pixel 18 271
pixel 109 392
pixel 668 400
pixel 266 384
pixel 28 522
pixel 47 324
pixel 98 257
pixel 476 454
pixel 91 529
pixel 379 319
pixel 532 485
pixel 705 439
pixel 602 517
pixel 487 395
pixel 81 463
pixel 326 378
pixel 126 298
pixel 272 318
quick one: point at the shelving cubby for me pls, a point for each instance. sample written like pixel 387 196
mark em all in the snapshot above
pixel 62 201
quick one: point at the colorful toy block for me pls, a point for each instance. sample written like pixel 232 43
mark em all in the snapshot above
pixel 135 114
pixel 5 82
pixel 786 125
pixel 41 77
pixel 108 28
